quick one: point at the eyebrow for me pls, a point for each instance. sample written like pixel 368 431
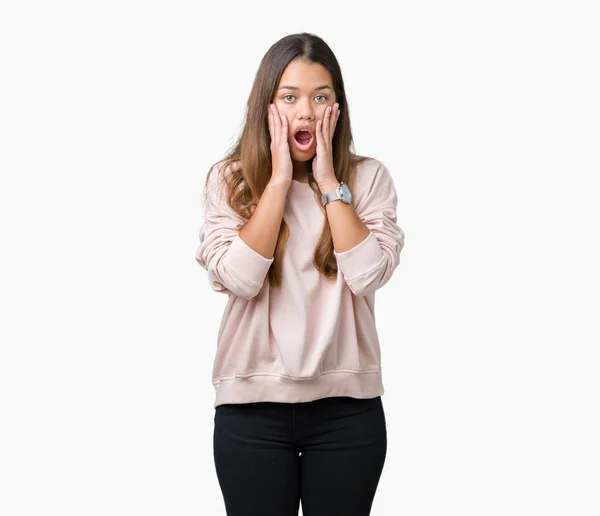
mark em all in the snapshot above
pixel 324 87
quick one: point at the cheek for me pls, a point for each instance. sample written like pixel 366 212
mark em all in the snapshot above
pixel 282 108
pixel 322 113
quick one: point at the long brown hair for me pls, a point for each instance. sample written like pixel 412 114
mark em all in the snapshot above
pixel 248 162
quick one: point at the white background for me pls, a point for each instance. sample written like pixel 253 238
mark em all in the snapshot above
pixel 486 113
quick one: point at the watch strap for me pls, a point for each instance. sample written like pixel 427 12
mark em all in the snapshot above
pixel 332 195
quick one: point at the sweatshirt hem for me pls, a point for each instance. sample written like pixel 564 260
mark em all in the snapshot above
pixel 277 388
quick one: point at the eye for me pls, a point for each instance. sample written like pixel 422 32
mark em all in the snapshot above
pixel 322 96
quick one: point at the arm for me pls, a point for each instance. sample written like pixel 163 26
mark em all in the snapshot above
pixel 367 241
pixel 347 230
pixel 262 230
pixel 237 260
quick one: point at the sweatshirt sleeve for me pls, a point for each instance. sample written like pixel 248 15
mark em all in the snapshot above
pixel 233 267
pixel 370 264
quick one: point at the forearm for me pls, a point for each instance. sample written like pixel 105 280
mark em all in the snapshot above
pixel 347 229
pixel 261 231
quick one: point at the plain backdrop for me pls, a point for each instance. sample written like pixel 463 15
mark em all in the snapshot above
pixel 486 114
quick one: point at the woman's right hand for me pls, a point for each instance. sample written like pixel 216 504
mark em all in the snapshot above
pixel 283 170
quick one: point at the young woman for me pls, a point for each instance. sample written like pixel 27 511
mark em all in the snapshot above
pixel 299 232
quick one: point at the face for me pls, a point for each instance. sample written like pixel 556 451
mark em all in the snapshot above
pixel 304 92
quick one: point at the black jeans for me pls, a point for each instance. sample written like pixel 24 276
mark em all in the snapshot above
pixel 328 454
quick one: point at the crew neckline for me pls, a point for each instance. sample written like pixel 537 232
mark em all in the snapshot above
pixel 302 189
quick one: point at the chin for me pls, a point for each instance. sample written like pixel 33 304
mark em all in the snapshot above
pixel 304 156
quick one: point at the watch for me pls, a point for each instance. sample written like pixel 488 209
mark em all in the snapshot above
pixel 342 192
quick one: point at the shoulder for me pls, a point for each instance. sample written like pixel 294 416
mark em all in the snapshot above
pixel 371 172
pixel 216 186
pixel 220 175
pixel 373 186
pixel 218 171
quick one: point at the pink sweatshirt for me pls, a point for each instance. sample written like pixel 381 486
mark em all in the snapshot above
pixel 312 337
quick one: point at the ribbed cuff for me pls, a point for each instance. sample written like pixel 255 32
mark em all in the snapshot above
pixel 361 258
pixel 246 262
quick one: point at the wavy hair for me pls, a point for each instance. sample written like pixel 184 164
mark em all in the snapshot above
pixel 248 162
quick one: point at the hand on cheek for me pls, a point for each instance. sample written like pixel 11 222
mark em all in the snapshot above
pixel 322 164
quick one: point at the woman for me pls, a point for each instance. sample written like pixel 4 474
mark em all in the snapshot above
pixel 299 232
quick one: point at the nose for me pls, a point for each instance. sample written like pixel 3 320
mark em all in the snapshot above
pixel 305 110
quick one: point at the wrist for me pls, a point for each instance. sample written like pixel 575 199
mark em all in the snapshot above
pixel 279 184
pixel 329 185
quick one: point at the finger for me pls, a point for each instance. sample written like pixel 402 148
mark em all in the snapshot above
pixel 281 124
pixel 275 114
pixel 270 120
pixel 331 125
pixel 284 128
pixel 276 122
pixel 319 135
pixel 335 117
pixel 326 123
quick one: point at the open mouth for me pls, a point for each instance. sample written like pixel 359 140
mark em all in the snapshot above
pixel 303 139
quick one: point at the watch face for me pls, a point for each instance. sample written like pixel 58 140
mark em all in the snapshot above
pixel 346 194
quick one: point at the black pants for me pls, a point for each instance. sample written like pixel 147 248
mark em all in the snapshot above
pixel 327 453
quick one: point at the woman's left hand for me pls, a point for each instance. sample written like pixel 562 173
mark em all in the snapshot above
pixel 322 164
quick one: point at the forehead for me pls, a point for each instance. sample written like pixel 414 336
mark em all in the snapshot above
pixel 305 75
